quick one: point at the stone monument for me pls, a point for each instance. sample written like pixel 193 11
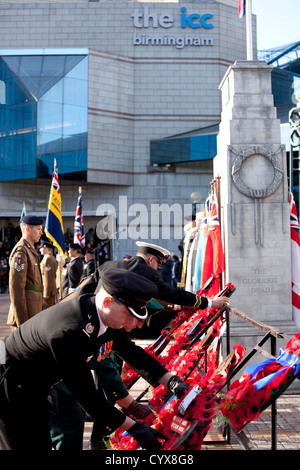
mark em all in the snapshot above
pixel 254 212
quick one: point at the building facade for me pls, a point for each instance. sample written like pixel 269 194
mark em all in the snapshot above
pixel 124 96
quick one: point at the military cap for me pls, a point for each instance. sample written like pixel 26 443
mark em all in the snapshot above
pixel 76 247
pixel 158 251
pixel 46 243
pixel 129 288
pixel 32 220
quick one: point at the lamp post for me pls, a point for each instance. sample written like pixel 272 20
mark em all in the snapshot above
pixel 195 198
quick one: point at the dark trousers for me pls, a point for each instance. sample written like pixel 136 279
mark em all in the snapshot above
pixel 66 419
pixel 23 416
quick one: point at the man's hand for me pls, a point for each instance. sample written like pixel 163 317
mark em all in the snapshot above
pixel 220 302
pixel 137 410
pixel 177 386
pixel 147 437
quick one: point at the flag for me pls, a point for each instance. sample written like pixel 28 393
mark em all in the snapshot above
pixel 200 248
pixel 295 259
pixel 213 259
pixel 23 213
pixel 54 226
pixel 79 236
pixel 242 8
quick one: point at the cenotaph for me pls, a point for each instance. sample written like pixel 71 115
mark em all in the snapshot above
pixel 254 212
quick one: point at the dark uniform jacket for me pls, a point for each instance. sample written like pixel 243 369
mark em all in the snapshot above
pixel 56 344
pixel 72 277
pixel 25 283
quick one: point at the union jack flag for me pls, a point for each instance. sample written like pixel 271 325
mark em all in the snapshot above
pixel 242 8
pixel 79 236
pixel 295 257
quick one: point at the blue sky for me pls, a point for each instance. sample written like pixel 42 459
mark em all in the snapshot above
pixel 278 22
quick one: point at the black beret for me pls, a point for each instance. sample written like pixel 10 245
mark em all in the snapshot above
pixel 129 288
pixel 32 220
pixel 45 243
pixel 75 246
pixel 155 250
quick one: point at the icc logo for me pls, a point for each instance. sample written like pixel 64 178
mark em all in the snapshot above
pixel 146 19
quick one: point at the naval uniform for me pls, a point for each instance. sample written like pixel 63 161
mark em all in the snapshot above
pixel 52 346
pixel 25 283
pixel 167 293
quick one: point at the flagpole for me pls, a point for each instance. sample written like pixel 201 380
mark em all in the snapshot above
pixel 249 29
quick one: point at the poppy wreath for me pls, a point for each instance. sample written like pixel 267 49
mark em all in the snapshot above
pixel 182 359
pixel 129 376
pixel 179 329
pixel 259 384
pixel 166 406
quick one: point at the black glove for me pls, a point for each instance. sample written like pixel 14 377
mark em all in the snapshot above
pixel 177 386
pixel 137 410
pixel 147 437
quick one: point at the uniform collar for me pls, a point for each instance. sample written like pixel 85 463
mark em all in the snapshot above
pixel 102 328
pixel 28 245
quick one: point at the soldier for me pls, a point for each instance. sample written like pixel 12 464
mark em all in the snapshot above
pixel 72 273
pixel 25 278
pixel 89 266
pixel 48 270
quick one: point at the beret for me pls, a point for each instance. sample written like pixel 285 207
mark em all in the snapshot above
pixel 75 246
pixel 32 220
pixel 45 243
pixel 129 288
pixel 155 250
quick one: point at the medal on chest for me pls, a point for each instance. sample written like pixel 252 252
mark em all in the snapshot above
pixel 104 351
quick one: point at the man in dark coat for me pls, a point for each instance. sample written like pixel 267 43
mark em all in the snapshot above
pixel 57 344
pixel 72 273
pixel 146 263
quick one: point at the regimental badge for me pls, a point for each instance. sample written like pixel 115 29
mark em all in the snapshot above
pixel 89 328
pixel 18 267
pixel 48 268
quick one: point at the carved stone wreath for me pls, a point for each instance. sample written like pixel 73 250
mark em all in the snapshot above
pixel 236 168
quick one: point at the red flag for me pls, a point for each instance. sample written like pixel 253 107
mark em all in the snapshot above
pixel 213 262
pixel 295 258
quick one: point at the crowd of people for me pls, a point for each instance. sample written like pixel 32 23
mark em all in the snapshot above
pixel 95 252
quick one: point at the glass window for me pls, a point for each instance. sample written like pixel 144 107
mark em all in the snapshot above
pixel 43 115
pixel 183 149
